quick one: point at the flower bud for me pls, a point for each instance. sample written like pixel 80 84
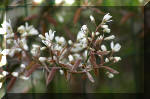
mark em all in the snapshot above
pixel 103 47
pixel 92 18
pixel 42 59
pixel 15 74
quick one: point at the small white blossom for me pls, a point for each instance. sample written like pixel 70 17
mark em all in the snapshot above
pixel 81 35
pixel 103 47
pixel 84 28
pixel 6 27
pixel 110 75
pixel 23 66
pixel 61 71
pixel 27 30
pixel 3 60
pixel 24 77
pixel 60 40
pixel 106 60
pixel 115 47
pixel 35 49
pixel 92 18
pixel 70 42
pixel 77 56
pixel 85 54
pixel 5 52
pixel 116 59
pixel 107 17
pixel 5 73
pixel 100 37
pixel 41 36
pixel 23 43
pixel 97 33
pixel 107 30
pixel 15 74
pixel 42 59
pixel 104 26
pixel 1 84
pixel 47 40
pixel 93 34
pixel 109 37
pixel 70 57
pixel 42 48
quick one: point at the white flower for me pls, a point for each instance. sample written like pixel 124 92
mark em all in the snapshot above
pixel 5 73
pixel 81 35
pixel 27 30
pixel 77 56
pixel 77 47
pixel 97 33
pixel 115 47
pixel 107 17
pixel 85 54
pixel 23 42
pixel 24 77
pixel 1 84
pixel 109 37
pixel 92 18
pixel 84 28
pixel 23 66
pixel 15 74
pixel 107 30
pixel 35 50
pixel 70 57
pixel 93 34
pixel 70 42
pixel 42 59
pixel 103 47
pixel 41 36
pixel 110 75
pixel 100 37
pixel 47 40
pixel 116 59
pixel 42 48
pixel 3 60
pixel 6 27
pixel 60 40
pixel 5 52
pixel 61 72
pixel 106 60
pixel 57 47
pixel 50 36
pixel 104 26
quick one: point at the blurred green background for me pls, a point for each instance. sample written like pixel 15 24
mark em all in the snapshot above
pixel 66 19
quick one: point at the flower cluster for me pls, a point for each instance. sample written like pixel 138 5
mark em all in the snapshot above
pixel 80 57
pixel 91 50
pixel 14 44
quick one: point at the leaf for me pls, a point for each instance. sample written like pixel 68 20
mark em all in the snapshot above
pixel 31 17
pixel 51 75
pixel 110 69
pixel 93 61
pixel 77 15
pixel 126 17
pixel 51 19
pixel 103 53
pixel 11 83
pixel 90 77
pixel 66 66
pixel 97 10
pixel 32 69
pixel 76 65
